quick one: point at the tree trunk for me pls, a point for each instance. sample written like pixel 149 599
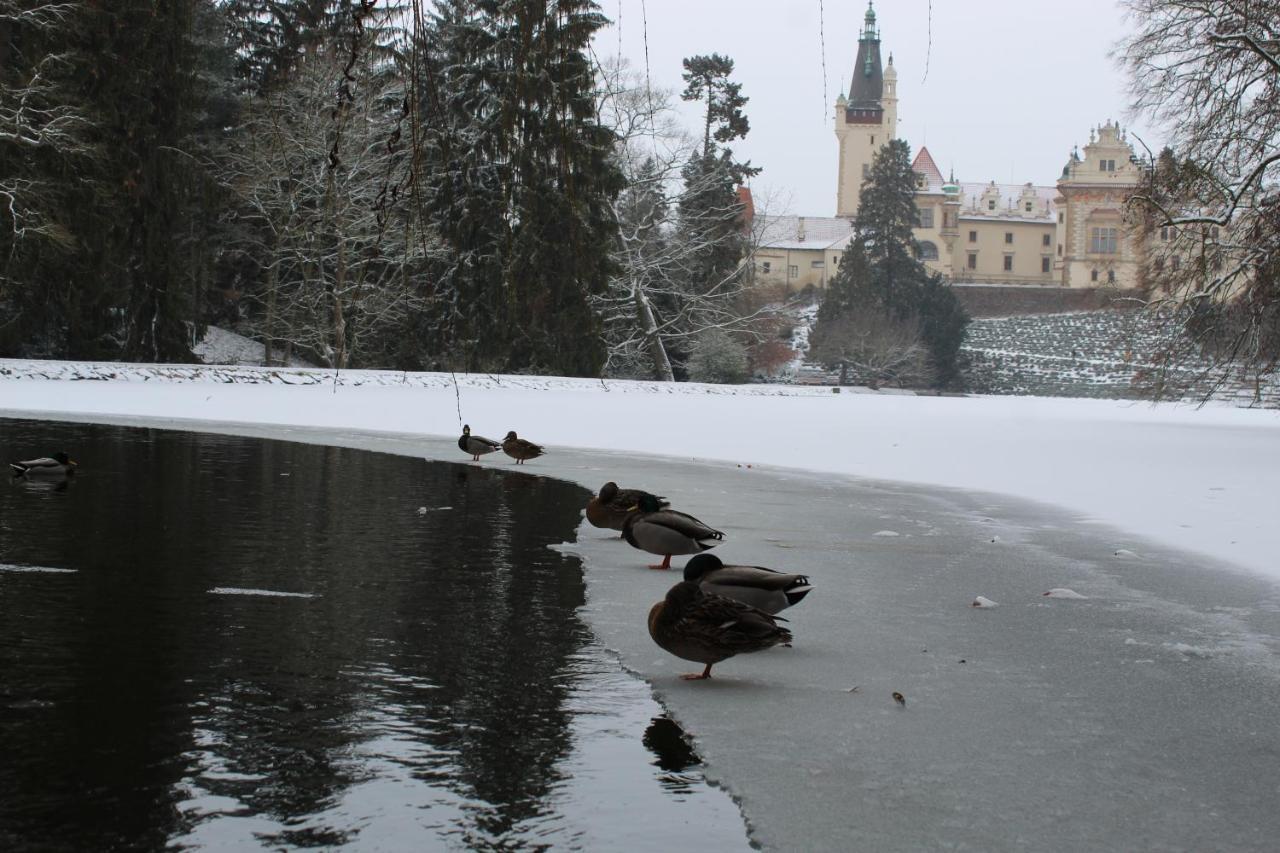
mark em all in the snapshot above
pixel 649 325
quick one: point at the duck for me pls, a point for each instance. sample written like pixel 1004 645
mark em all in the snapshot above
pixel 610 508
pixel 667 532
pixel 704 628
pixel 764 589
pixel 58 465
pixel 476 445
pixel 519 449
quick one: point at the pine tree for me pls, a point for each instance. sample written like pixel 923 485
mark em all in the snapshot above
pixel 882 282
pixel 521 182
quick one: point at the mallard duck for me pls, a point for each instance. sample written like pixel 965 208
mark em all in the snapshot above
pixel 476 445
pixel 58 465
pixel 765 589
pixel 667 532
pixel 611 507
pixel 519 449
pixel 704 628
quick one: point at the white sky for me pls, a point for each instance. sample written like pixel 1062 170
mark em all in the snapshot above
pixel 1012 84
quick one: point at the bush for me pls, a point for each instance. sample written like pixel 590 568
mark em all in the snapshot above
pixel 717 357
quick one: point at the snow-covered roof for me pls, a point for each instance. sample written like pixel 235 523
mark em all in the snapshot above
pixel 1008 205
pixel 804 232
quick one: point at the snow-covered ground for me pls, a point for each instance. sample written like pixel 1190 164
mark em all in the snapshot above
pixel 220 346
pixel 1196 478
pixel 1136 712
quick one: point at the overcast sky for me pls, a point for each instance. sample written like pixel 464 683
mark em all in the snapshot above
pixel 1011 85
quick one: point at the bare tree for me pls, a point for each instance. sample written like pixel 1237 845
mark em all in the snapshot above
pixel 650 307
pixel 36 115
pixel 1209 72
pixel 876 349
pixel 337 263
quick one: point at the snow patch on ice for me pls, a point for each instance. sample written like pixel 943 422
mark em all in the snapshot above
pixel 233 590
pixel 984 602
pixel 1063 592
pixel 6 567
pixel 887 533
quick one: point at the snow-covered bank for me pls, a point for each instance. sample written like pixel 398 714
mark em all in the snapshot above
pixel 1201 479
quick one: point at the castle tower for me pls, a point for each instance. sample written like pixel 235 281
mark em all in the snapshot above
pixel 867 118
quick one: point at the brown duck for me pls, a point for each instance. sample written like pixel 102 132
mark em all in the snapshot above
pixel 695 626
pixel 667 532
pixel 519 449
pixel 610 508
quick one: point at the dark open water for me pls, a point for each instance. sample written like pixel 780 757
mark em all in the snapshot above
pixel 417 678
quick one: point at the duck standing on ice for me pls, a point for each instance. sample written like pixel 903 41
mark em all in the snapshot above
pixel 695 626
pixel 667 532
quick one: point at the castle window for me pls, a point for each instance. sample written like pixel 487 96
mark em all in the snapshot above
pixel 926 217
pixel 1059 250
pixel 1106 165
pixel 991 204
pixel 1046 239
pixel 973 260
pixel 1111 276
pixel 1008 263
pixel 1044 264
pixel 817 265
pixel 1061 218
pixel 928 251
pixel 873 140
pixel 764 267
pixel 948 219
pixel 973 236
pixel 793 271
pixel 1102 241
pixel 1093 276
pixel 1008 237
pixel 1164 232
pixel 1028 207
pixel 921 181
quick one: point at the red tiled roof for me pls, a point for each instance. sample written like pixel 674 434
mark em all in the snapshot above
pixel 925 166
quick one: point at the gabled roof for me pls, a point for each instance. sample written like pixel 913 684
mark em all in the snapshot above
pixel 924 165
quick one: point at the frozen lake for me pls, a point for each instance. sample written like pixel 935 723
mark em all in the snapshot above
pixel 234 643
pixel 1140 716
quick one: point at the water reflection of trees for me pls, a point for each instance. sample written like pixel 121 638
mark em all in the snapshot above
pixel 158 688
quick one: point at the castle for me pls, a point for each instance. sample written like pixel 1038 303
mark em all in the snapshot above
pixel 1067 235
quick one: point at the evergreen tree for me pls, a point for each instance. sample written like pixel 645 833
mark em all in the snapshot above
pixel 881 277
pixel 521 182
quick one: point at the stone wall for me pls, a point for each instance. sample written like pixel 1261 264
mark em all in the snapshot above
pixel 996 301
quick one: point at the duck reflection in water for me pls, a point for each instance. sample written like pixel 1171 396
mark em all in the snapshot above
pixel 675 755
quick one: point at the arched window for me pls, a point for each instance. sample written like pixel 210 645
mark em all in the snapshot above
pixel 928 251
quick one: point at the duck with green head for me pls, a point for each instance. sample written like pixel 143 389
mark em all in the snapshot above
pixel 476 445
pixel 764 589
pixel 707 629
pixel 58 465
pixel 667 532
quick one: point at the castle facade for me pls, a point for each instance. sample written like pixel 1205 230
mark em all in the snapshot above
pixel 1070 234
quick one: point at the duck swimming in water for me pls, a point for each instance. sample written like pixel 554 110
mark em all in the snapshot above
pixel 693 625
pixel 58 465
